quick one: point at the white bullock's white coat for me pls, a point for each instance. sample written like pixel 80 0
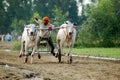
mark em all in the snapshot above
pixel 64 39
pixel 29 40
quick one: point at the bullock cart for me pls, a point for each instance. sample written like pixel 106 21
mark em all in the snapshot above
pixel 66 35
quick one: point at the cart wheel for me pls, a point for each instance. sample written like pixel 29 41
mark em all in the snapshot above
pixel 59 55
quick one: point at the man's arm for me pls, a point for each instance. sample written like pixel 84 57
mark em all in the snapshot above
pixel 37 20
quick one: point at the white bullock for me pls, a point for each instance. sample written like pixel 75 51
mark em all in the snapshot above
pixel 29 39
pixel 66 37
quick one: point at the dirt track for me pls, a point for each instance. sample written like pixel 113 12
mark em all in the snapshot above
pixel 48 68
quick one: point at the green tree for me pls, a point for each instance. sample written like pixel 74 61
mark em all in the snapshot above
pixel 59 17
pixel 24 9
pixel 17 26
pixel 117 28
pixel 2 18
pixel 45 7
pixel 101 23
pixel 19 9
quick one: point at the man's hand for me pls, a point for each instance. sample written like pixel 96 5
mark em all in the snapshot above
pixel 36 19
pixel 49 28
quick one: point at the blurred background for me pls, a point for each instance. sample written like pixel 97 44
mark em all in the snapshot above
pixel 98 21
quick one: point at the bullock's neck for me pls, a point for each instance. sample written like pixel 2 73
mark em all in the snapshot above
pixel 69 37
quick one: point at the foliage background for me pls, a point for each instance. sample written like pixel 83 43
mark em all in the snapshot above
pixel 98 24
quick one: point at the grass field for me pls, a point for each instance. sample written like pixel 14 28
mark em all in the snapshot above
pixel 99 52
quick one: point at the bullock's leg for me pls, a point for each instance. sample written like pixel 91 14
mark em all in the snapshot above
pixel 22 49
pixel 59 50
pixel 69 55
pixel 59 55
pixel 39 56
pixel 26 59
pixel 26 54
pixel 21 52
pixel 38 42
pixel 32 54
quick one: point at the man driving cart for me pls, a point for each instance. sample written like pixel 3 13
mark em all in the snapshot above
pixel 45 34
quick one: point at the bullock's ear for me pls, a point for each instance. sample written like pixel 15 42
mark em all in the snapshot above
pixel 36 19
pixel 76 27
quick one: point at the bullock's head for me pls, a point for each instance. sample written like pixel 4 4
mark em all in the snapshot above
pixel 31 31
pixel 70 27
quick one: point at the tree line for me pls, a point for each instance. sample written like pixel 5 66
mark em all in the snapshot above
pixel 102 26
pixel 15 13
pixel 98 24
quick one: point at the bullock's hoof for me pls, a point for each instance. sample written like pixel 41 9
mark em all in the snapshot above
pixel 53 54
pixel 29 53
pixel 20 56
pixel 25 60
pixel 39 56
pixel 70 60
pixel 56 55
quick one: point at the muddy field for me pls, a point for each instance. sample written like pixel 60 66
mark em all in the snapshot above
pixel 47 68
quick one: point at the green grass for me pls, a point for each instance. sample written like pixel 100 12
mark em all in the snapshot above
pixel 99 52
pixel 16 46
